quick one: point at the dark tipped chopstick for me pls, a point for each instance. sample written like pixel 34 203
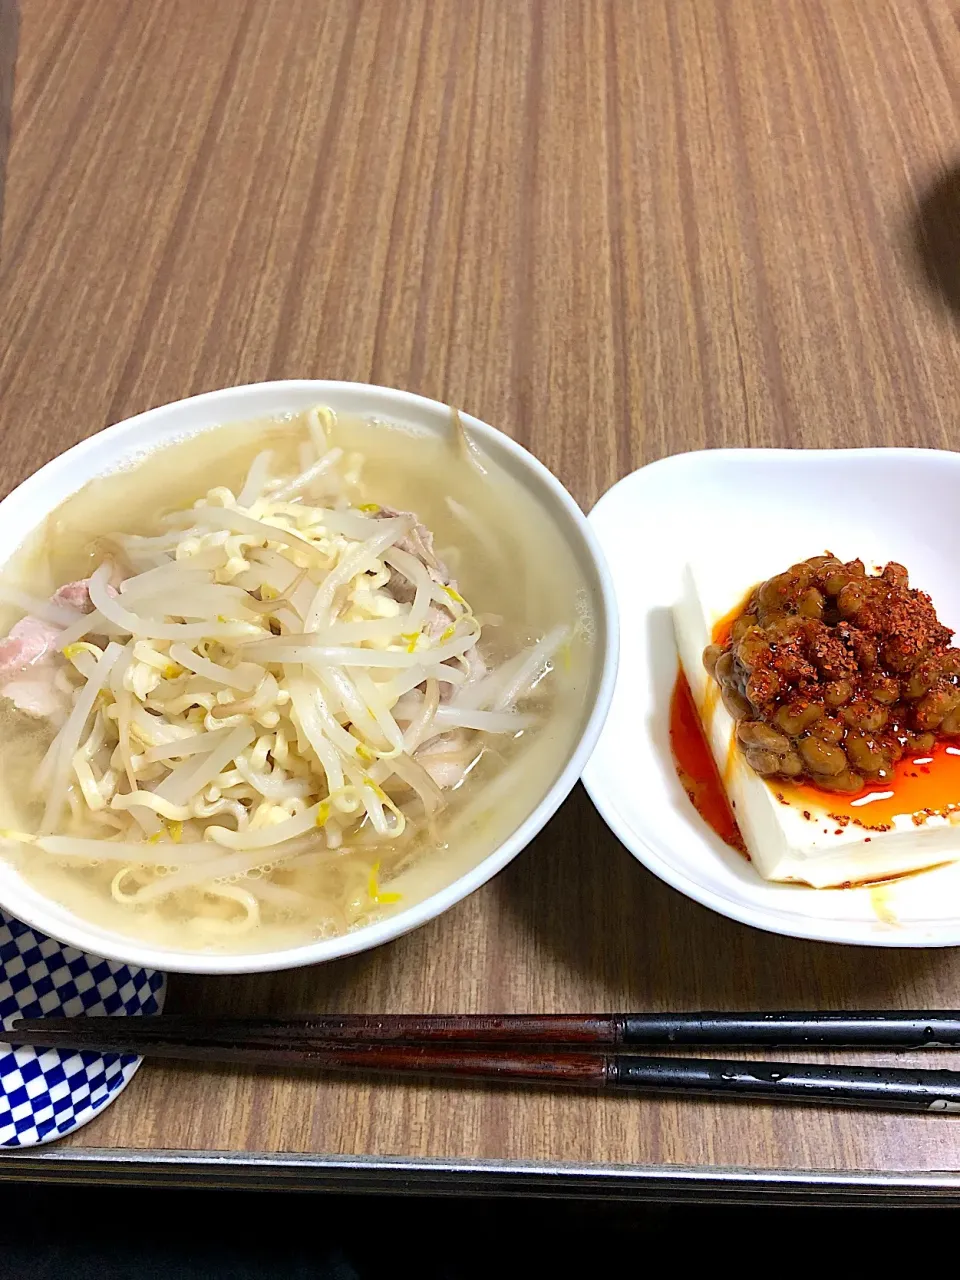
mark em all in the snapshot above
pixel 893 1089
pixel 536 1049
pixel 896 1030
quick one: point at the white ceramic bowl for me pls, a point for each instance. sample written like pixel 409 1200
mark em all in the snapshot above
pixel 763 509
pixel 117 446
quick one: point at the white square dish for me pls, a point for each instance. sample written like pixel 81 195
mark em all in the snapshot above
pixel 760 510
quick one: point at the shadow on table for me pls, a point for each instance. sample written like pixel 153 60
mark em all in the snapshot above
pixel 9 31
pixel 935 229
pixel 638 944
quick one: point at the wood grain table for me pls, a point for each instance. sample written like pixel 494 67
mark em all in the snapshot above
pixel 616 230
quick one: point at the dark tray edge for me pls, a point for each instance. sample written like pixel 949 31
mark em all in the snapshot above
pixel 463 1177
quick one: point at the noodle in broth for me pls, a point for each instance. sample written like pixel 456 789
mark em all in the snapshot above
pixel 275 711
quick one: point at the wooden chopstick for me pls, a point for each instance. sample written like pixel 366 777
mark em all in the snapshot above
pixel 893 1030
pixel 897 1089
pixel 537 1048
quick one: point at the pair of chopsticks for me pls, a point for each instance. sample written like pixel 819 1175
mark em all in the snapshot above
pixel 548 1049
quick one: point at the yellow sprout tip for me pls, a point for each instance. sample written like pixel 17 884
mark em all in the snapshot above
pixel 155 838
pixel 371 508
pixel 323 814
pixel 373 889
pixel 71 651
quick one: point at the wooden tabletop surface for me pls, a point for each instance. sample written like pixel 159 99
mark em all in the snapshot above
pixel 616 230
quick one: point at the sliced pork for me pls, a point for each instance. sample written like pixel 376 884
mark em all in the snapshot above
pixel 75 595
pixel 419 543
pixel 445 757
pixel 28 652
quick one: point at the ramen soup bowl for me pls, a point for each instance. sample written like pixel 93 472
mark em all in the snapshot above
pixel 381 831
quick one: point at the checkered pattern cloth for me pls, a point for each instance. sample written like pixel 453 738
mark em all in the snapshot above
pixel 46 1093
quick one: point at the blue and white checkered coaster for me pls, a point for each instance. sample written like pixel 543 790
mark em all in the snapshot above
pixel 47 1093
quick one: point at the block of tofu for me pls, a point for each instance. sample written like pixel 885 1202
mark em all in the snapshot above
pixel 789 841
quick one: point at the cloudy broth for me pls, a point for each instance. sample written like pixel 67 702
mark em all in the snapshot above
pixel 508 561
